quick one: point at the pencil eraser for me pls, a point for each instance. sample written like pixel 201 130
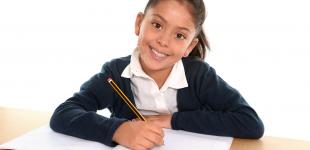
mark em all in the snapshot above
pixel 109 79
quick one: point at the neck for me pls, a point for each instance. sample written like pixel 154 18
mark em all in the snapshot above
pixel 159 76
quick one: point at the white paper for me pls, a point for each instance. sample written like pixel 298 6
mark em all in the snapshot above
pixel 45 138
pixel 182 140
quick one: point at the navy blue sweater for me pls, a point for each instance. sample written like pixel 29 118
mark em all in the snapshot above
pixel 208 105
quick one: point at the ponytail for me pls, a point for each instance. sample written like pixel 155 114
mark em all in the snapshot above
pixel 201 47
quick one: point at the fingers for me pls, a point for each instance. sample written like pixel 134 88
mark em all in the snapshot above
pixel 139 135
pixel 155 139
pixel 156 134
pixel 148 141
pixel 152 135
pixel 157 130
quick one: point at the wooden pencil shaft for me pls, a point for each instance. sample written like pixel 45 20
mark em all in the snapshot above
pixel 125 99
pixel 123 95
pixel 129 104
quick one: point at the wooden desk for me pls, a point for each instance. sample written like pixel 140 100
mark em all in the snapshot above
pixel 15 122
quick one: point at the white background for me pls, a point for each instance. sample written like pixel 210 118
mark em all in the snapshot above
pixel 49 48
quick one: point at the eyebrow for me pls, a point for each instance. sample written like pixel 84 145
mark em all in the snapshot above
pixel 162 18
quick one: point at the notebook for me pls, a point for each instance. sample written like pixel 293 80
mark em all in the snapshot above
pixel 47 139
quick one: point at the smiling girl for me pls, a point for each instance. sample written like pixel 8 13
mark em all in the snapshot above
pixel 169 82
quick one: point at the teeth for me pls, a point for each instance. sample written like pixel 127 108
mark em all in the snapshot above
pixel 158 54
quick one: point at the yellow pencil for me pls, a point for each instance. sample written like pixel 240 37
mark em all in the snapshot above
pixel 126 99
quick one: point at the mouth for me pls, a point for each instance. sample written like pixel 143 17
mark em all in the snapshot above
pixel 158 55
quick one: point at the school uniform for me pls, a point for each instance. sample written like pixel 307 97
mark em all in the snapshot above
pixel 198 98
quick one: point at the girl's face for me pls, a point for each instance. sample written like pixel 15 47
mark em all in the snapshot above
pixel 166 34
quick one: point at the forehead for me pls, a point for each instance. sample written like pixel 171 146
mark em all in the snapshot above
pixel 174 12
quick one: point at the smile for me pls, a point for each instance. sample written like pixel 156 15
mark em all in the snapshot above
pixel 157 54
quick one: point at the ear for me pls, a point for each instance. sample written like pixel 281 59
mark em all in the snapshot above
pixel 138 23
pixel 190 47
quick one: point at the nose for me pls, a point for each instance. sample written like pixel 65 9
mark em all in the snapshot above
pixel 163 40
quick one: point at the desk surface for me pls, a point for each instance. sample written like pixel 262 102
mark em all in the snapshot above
pixel 15 122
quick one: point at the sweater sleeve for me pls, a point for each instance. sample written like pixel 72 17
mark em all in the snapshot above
pixel 77 116
pixel 223 110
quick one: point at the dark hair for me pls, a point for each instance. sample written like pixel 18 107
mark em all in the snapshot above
pixel 199 13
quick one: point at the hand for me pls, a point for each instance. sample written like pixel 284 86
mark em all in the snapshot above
pixel 139 135
pixel 163 121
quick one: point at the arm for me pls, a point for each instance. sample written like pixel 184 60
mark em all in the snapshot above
pixel 223 110
pixel 77 116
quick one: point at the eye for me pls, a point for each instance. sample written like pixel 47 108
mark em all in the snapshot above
pixel 157 25
pixel 180 36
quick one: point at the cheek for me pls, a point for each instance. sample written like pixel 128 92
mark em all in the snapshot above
pixel 141 39
pixel 148 33
pixel 142 36
pixel 180 46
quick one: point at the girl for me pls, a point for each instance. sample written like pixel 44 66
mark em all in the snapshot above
pixel 167 80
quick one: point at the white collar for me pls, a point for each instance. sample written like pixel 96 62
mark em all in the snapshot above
pixel 176 78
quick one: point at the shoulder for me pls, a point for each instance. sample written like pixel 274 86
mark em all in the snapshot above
pixel 195 65
pixel 198 72
pixel 117 64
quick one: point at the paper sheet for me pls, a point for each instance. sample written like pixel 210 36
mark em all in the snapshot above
pixel 45 138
